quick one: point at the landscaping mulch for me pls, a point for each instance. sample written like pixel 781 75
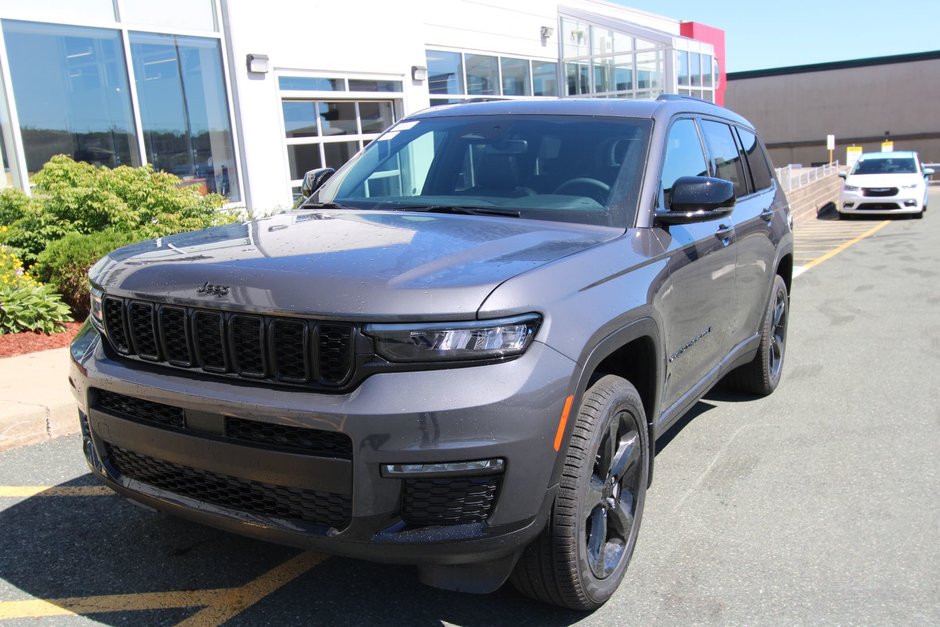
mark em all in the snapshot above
pixel 12 344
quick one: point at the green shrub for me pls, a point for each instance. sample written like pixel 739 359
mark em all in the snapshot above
pixel 74 197
pixel 31 308
pixel 65 263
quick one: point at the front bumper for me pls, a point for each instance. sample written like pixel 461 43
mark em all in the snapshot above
pixel 336 500
pixel 905 201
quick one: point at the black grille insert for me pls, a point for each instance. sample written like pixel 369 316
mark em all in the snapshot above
pixel 138 410
pixel 254 497
pixel 246 432
pixel 313 441
pixel 448 501
pixel 273 348
pixel 880 191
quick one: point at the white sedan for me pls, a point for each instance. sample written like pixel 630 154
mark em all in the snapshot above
pixel 885 183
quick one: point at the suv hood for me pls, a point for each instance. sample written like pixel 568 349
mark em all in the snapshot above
pixel 354 265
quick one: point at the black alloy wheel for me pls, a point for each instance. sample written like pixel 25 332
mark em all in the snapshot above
pixel 582 555
pixel 762 375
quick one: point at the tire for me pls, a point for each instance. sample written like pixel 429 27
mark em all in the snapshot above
pixel 581 556
pixel 762 375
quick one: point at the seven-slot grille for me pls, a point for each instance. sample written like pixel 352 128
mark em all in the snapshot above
pixel 880 191
pixel 290 350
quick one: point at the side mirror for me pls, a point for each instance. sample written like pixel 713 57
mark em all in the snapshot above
pixel 313 179
pixel 928 171
pixel 697 199
pixel 842 175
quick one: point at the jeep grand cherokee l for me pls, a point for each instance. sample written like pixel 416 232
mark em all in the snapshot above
pixel 460 350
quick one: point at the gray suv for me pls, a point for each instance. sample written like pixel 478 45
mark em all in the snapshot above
pixel 459 351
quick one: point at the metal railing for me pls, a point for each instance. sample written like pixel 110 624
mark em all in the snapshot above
pixel 794 177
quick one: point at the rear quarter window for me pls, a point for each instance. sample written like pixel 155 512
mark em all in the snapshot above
pixel 756 160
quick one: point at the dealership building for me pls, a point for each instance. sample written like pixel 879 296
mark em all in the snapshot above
pixel 241 98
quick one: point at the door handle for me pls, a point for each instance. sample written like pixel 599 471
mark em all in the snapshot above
pixel 724 233
pixel 767 214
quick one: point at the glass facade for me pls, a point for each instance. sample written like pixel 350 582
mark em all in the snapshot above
pixel 325 127
pixel 71 91
pixel 112 96
pixel 696 74
pixel 604 62
pixel 184 111
pixel 455 76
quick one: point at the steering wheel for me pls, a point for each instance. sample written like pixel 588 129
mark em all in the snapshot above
pixel 585 186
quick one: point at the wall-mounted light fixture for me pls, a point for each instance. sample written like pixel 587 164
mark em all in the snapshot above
pixel 258 63
pixel 546 32
pixel 419 73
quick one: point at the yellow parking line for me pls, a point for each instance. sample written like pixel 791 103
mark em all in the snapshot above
pixel 835 251
pixel 219 604
pixel 45 490
pixel 37 608
pixel 237 600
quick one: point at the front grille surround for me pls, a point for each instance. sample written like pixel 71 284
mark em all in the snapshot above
pixel 297 351
pixel 879 191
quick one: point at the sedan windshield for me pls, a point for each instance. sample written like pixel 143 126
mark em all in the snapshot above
pixel 577 169
pixel 892 165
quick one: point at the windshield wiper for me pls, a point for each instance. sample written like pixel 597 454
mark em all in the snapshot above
pixel 472 211
pixel 323 205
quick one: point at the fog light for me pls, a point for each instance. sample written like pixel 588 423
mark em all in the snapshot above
pixel 478 467
pixel 848 204
pixel 910 203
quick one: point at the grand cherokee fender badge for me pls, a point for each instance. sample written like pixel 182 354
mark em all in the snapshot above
pixel 689 344
pixel 209 289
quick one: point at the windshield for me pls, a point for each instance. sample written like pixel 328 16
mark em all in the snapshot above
pixel 577 169
pixel 892 165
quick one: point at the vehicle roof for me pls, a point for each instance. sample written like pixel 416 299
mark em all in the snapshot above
pixel 613 107
pixel 888 155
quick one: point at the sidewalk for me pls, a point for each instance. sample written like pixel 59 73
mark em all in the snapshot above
pixel 36 402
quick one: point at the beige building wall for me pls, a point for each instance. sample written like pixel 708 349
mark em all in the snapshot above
pixel 795 108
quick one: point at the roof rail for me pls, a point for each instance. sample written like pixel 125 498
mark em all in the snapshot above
pixel 671 97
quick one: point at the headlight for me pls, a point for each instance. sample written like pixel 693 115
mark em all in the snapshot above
pixel 850 188
pixel 454 341
pixel 96 314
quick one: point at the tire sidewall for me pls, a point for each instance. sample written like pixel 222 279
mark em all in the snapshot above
pixel 624 398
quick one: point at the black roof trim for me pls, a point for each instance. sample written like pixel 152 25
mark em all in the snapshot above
pixel 836 65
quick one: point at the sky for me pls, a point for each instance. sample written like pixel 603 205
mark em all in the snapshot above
pixel 772 33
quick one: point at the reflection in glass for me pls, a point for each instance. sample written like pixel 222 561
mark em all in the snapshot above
pixel 575 38
pixel 601 41
pixel 375 117
pixel 707 70
pixel 71 91
pixel 184 109
pixel 683 68
pixel 310 83
pixel 482 75
pixel 366 85
pixel 515 77
pixel 623 73
pixel 445 72
pixel 303 157
pixel 337 118
pixel 9 166
pixel 545 78
pixel 338 153
pixel 300 119
pixel 695 68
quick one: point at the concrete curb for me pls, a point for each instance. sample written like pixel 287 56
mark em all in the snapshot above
pixel 36 403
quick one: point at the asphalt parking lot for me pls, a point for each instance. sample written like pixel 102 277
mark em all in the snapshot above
pixel 815 505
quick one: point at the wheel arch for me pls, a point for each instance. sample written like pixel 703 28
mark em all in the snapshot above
pixel 634 353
